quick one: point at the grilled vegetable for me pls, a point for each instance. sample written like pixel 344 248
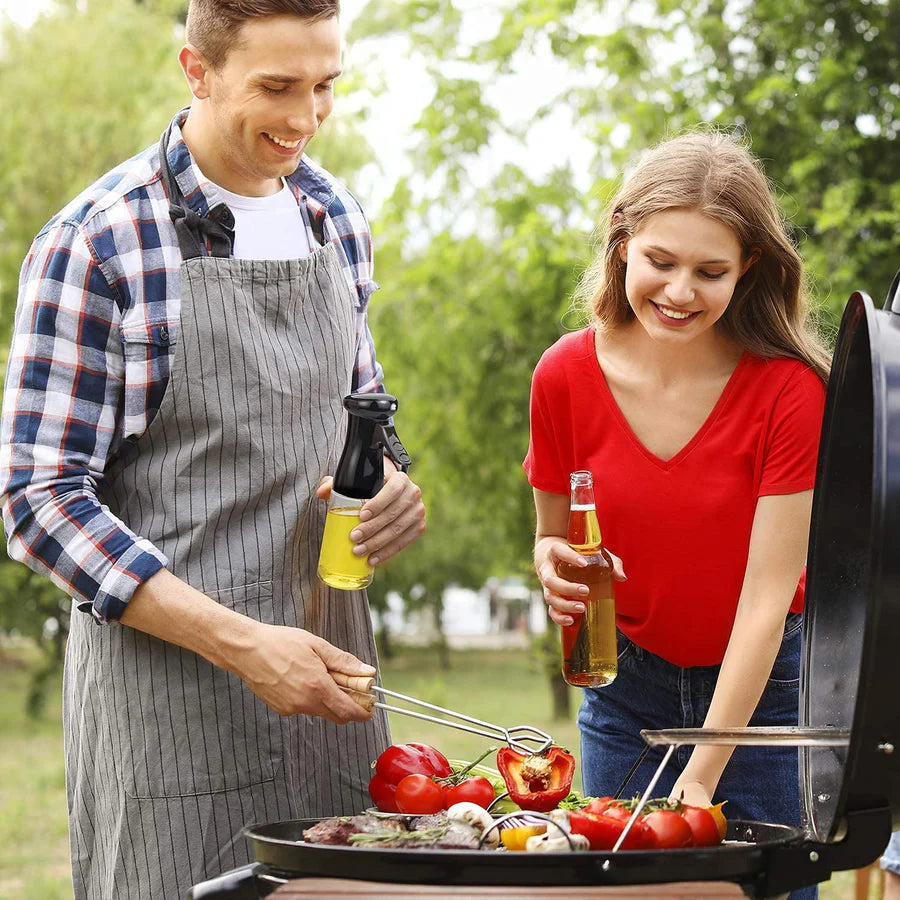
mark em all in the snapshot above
pixel 504 805
pixel 398 762
pixel 516 838
pixel 537 781
pixel 556 843
pixel 477 817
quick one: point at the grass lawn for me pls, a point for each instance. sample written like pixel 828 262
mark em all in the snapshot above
pixel 504 687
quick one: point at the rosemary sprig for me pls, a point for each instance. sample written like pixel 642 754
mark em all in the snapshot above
pixel 376 838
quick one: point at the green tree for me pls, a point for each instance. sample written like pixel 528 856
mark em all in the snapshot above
pixel 816 85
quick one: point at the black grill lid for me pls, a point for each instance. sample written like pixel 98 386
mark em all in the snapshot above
pixel 851 660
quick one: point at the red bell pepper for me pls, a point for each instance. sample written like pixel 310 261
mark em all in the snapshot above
pixel 398 761
pixel 537 781
pixel 602 831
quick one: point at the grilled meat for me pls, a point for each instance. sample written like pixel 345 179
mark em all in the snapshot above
pixel 338 829
pixel 417 832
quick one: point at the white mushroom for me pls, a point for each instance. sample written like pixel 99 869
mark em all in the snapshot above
pixel 476 817
pixel 543 843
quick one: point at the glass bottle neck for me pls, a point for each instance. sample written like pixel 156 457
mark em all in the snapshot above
pixel 584 527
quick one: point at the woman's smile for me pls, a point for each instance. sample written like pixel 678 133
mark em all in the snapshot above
pixel 675 317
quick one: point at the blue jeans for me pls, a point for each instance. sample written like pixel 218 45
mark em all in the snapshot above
pixel 891 858
pixel 759 783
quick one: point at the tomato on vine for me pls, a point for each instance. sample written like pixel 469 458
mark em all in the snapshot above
pixel 419 795
pixel 704 828
pixel 475 789
pixel 669 828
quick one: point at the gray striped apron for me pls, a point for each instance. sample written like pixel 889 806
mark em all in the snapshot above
pixel 168 757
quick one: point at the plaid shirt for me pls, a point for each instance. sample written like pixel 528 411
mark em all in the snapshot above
pixel 96 328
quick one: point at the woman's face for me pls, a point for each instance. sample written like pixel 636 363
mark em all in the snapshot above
pixel 681 271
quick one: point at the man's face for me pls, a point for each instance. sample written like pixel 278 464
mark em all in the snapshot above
pixel 268 99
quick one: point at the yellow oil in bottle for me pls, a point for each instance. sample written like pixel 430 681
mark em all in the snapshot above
pixel 339 567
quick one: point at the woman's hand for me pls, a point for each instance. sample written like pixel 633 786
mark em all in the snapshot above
pixel 564 597
pixel 693 793
pixel 550 548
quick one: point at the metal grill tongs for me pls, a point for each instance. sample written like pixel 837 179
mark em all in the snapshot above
pixel 519 737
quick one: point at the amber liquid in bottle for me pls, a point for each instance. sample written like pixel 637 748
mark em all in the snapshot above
pixel 590 658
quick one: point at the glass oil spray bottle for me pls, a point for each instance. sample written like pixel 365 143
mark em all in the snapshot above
pixel 359 477
pixel 589 644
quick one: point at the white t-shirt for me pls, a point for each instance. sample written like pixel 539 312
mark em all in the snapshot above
pixel 267 227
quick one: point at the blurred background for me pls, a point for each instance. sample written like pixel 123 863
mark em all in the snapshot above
pixel 483 138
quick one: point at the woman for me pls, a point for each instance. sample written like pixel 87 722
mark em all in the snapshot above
pixel 695 397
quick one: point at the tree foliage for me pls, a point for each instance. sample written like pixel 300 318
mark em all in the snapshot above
pixel 71 116
pixel 815 84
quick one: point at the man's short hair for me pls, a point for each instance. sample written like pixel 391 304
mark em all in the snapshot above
pixel 213 26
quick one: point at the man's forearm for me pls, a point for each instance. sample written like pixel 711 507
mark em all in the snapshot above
pixel 171 610
pixel 287 668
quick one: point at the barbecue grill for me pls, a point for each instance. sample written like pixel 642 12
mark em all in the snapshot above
pixel 849 721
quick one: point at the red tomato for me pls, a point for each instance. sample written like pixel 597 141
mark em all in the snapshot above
pixel 669 829
pixel 477 790
pixel 704 828
pixel 382 793
pixel 603 831
pixel 400 760
pixel 598 805
pixel 419 795
pixel 437 759
pixel 614 811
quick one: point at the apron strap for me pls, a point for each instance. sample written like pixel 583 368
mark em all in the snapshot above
pixel 192 229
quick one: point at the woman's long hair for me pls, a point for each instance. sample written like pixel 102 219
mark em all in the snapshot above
pixel 716 175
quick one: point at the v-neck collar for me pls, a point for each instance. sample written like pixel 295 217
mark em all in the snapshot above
pixel 698 436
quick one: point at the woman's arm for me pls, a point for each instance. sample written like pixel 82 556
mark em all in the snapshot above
pixel 778 544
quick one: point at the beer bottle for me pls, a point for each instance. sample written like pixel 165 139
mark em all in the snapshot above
pixel 589 643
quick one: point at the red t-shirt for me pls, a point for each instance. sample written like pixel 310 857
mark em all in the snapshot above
pixel 681 526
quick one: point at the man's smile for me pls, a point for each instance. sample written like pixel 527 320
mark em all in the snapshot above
pixel 287 145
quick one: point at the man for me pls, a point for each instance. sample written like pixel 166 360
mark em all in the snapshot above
pixel 187 328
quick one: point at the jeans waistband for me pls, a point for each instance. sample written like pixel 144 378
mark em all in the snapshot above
pixel 792 621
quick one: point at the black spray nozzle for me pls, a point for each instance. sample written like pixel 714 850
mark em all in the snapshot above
pixel 376 407
pixel 360 472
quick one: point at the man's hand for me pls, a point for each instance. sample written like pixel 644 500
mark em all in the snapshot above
pixel 388 522
pixel 288 669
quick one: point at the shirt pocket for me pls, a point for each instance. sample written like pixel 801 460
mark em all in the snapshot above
pixel 148 348
pixel 143 338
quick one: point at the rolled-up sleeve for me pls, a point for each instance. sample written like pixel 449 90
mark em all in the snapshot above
pixel 61 409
